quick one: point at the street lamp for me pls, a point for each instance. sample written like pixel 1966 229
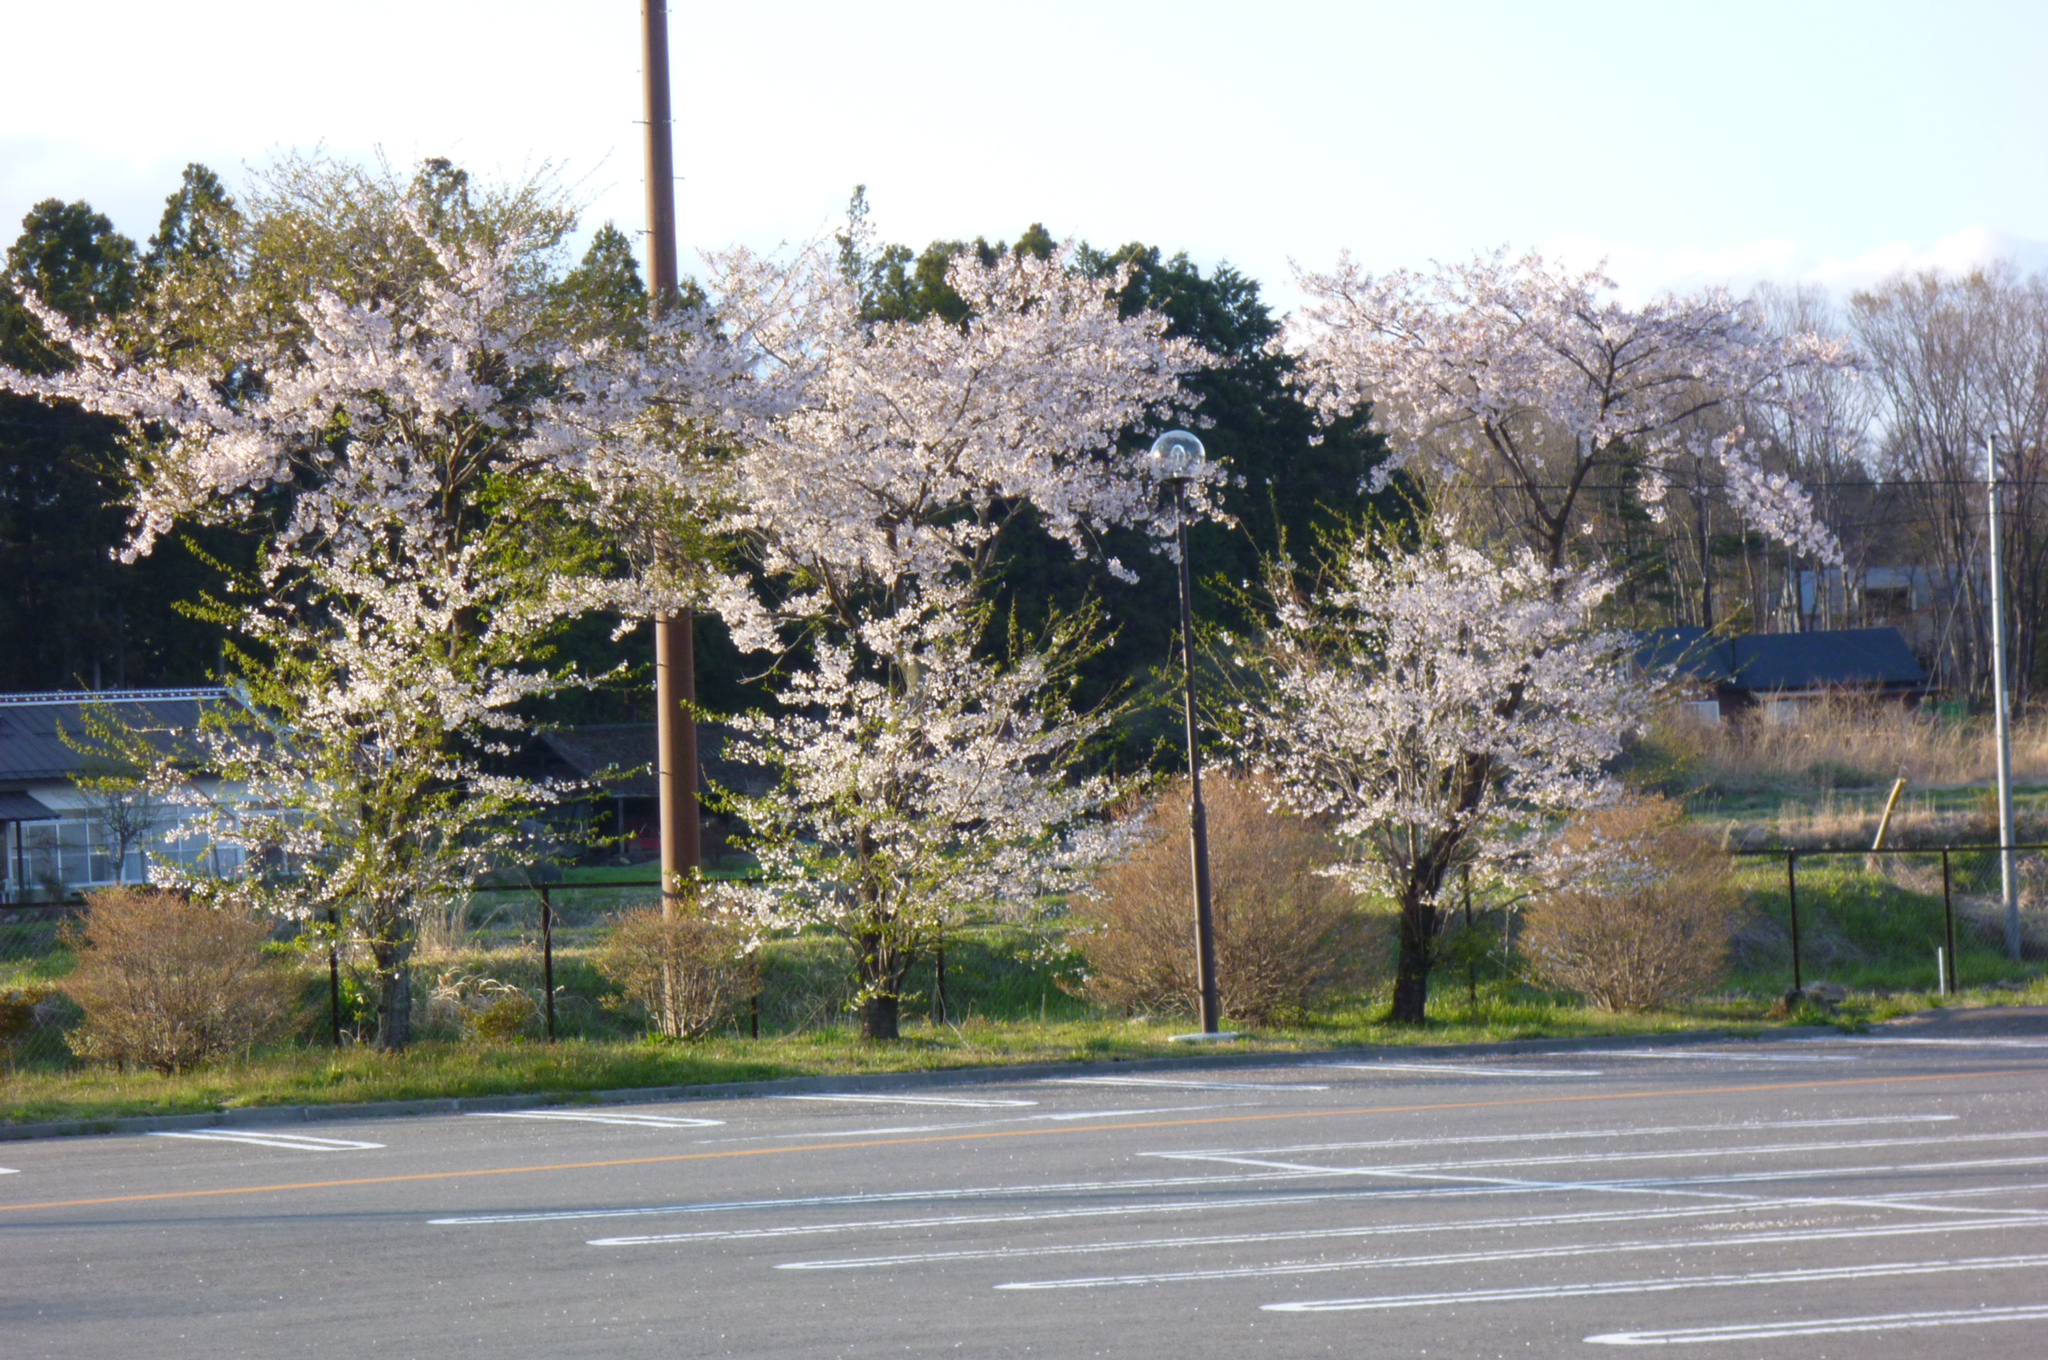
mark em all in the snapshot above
pixel 1178 456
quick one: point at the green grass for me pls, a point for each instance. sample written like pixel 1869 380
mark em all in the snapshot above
pixel 1868 931
pixel 441 1068
pixel 1005 1005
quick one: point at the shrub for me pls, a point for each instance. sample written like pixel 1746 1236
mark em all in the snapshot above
pixel 482 1007
pixel 1286 935
pixel 685 972
pixel 167 983
pixel 17 1017
pixel 1642 914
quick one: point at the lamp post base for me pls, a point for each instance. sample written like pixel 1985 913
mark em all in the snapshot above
pixel 1222 1036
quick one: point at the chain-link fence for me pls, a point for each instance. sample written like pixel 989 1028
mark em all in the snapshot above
pixel 522 961
pixel 513 960
pixel 34 956
pixel 525 959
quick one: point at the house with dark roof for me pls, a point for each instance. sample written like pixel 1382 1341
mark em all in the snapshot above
pixel 58 838
pixel 1777 673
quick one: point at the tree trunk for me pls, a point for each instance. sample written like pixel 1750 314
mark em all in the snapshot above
pixel 1411 971
pixel 394 995
pixel 881 980
pixel 878 1016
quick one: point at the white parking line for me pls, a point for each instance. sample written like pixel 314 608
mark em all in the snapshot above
pixel 1686 1186
pixel 876 1197
pixel 988 1103
pixel 987 1123
pixel 1551 1252
pixel 8 1171
pixel 1715 1055
pixel 1883 1040
pixel 1605 1155
pixel 1875 1322
pixel 1640 1131
pixel 1823 1326
pixel 297 1142
pixel 813 1134
pixel 1154 1109
pixel 645 1121
pixel 1178 1084
pixel 1043 1216
pixel 1465 1070
pixel 1754 1280
pixel 1724 1210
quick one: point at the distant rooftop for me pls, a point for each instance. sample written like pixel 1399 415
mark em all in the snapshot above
pixel 1778 663
pixel 33 726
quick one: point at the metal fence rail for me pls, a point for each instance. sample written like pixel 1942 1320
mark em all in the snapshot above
pixel 513 936
pixel 1891 856
pixel 533 925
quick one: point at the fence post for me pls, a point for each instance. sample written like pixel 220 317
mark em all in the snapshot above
pixel 1471 964
pixel 1948 921
pixel 1792 911
pixel 334 977
pixel 547 956
pixel 754 1015
pixel 939 990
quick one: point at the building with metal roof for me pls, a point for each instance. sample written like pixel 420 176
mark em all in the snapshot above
pixel 57 838
pixel 1781 671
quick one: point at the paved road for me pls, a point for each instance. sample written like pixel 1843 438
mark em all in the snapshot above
pixel 1869 1197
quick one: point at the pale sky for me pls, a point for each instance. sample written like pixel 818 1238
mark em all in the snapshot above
pixel 1731 142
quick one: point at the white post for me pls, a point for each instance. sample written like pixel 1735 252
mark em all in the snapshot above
pixel 2002 714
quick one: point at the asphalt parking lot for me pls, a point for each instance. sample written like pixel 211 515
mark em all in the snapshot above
pixel 1857 1196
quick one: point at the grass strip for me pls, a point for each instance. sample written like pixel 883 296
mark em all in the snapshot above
pixel 441 1069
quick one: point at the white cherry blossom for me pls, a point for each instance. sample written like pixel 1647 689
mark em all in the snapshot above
pixel 1439 706
pixel 1540 376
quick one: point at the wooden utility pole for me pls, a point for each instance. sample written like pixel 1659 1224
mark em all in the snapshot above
pixel 675 665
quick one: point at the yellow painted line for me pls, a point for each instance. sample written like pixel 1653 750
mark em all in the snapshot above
pixel 1002 1133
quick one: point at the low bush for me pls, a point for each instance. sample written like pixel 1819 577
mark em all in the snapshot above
pixel 167 983
pixel 1287 936
pixel 17 1017
pixel 686 973
pixel 481 1007
pixel 1642 914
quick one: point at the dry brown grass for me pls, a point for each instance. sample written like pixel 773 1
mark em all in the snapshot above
pixel 481 1007
pixel 1847 824
pixel 685 972
pixel 1286 935
pixel 1645 932
pixel 1839 744
pixel 167 983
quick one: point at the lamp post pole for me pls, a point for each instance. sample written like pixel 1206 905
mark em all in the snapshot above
pixel 2002 711
pixel 1183 447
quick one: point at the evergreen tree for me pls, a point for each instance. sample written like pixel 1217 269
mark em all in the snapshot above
pixel 72 615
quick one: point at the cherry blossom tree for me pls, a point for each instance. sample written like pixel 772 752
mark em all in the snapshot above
pixel 453 471
pixel 920 780
pixel 1439 706
pixel 880 455
pixel 875 470
pixel 350 767
pixel 1523 385
pixel 422 453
